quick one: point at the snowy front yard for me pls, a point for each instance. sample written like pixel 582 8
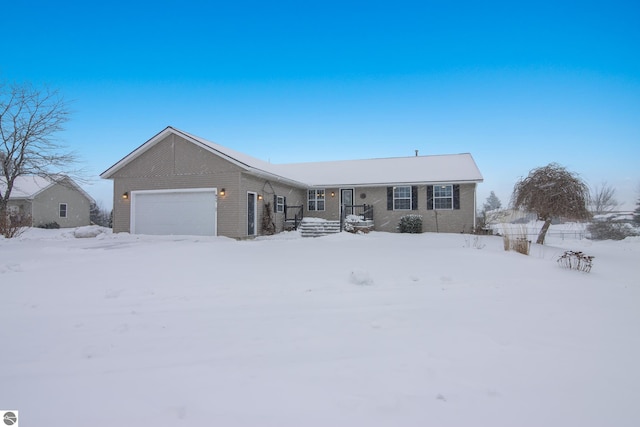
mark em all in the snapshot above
pixel 346 330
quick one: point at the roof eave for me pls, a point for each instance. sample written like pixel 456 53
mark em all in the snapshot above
pixel 275 177
pixel 108 174
pixel 385 184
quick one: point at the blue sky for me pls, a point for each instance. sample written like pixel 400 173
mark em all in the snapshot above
pixel 517 85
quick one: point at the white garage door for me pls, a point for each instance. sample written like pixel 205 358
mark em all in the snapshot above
pixel 186 212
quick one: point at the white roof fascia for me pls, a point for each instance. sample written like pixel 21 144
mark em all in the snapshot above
pixel 157 138
pixel 241 160
pixel 385 171
pixel 394 184
pixel 250 164
pixel 76 186
pixel 313 174
pixel 277 178
pixel 135 153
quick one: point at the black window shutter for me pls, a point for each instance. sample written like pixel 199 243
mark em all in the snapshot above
pixel 275 203
pixel 429 197
pixel 456 196
pixel 414 197
pixel 389 198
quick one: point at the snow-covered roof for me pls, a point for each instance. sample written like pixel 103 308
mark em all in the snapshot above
pixel 29 186
pixel 26 187
pixel 396 170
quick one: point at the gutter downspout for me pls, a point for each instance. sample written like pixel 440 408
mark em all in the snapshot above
pixel 475 206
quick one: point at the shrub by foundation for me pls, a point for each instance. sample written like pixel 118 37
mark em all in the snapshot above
pixel 50 225
pixel 410 224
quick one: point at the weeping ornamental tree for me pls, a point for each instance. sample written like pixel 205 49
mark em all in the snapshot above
pixel 552 191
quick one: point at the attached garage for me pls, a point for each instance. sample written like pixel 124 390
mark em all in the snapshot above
pixel 177 212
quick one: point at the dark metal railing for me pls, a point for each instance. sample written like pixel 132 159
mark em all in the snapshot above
pixel 363 212
pixel 293 214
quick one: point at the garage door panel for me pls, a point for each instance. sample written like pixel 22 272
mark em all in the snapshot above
pixel 174 212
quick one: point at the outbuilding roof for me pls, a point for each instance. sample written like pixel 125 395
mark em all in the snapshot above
pixel 29 186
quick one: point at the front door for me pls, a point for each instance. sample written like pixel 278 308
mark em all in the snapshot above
pixel 346 199
pixel 251 214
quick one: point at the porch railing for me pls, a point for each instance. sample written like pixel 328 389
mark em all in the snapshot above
pixel 363 212
pixel 293 215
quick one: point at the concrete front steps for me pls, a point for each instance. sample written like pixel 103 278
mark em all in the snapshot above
pixel 316 227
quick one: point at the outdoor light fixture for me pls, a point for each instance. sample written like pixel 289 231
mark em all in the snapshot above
pixel 223 192
pixel 125 195
pixel 333 194
pixel 259 196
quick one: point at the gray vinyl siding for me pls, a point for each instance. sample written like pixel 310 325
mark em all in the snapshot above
pixel 175 163
pixel 452 220
pixel 267 189
pixel 448 221
pixel 46 207
pixel 331 210
pixel 438 221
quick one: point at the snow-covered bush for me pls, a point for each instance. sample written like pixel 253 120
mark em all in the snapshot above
pixel 609 230
pixel 410 224
pixel 351 221
pixel 360 277
pixel 89 231
pixel 50 225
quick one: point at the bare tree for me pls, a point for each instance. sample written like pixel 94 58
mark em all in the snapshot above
pixel 603 199
pixel 29 119
pixel 552 191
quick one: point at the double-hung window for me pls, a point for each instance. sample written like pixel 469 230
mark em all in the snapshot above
pixel 402 198
pixel 63 210
pixel 279 203
pixel 316 200
pixel 443 196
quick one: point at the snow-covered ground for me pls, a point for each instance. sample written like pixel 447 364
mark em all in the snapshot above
pixel 346 330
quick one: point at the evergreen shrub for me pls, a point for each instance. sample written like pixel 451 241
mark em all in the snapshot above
pixel 410 224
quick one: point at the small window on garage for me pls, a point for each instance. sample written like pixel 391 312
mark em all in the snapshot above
pixel 279 203
pixel 63 210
